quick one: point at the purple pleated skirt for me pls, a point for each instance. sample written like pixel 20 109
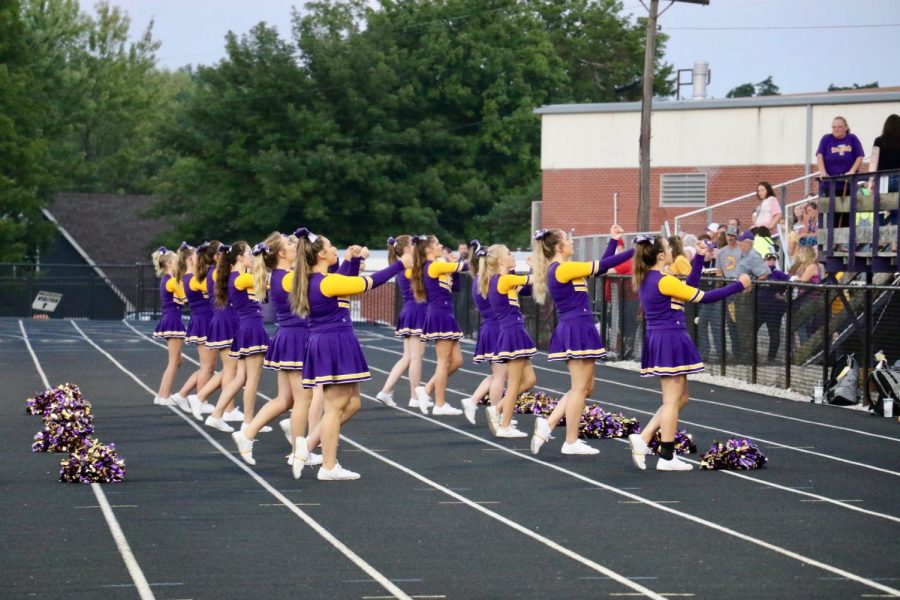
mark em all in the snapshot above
pixel 513 342
pixel 488 332
pixel 222 329
pixel 251 338
pixel 576 338
pixel 198 326
pixel 287 349
pixel 333 355
pixel 170 325
pixel 411 319
pixel 441 325
pixel 669 352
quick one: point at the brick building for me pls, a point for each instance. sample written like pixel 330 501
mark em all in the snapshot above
pixel 703 152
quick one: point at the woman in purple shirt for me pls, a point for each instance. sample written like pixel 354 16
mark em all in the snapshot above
pixel 840 153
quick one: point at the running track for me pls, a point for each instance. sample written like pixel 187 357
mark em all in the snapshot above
pixel 443 510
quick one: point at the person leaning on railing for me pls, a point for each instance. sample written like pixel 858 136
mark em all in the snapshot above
pixel 886 156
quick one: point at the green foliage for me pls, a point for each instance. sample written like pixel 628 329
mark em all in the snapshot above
pixel 745 90
pixel 766 87
pixel 855 86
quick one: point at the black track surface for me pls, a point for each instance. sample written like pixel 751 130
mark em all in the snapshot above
pixel 201 526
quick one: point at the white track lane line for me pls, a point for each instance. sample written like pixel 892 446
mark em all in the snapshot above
pixel 134 569
pixel 546 541
pixel 789 553
pixel 640 499
pixel 704 401
pixel 753 480
pixel 680 420
pixel 386 583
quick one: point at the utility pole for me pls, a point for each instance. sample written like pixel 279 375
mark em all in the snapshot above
pixel 647 106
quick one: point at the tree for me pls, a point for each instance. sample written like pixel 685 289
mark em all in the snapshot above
pixel 23 154
pixel 745 90
pixel 836 88
pixel 766 87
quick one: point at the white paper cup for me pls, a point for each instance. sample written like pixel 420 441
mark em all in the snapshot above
pixel 817 394
pixel 888 405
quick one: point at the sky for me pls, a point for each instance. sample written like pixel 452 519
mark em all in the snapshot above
pixel 805 45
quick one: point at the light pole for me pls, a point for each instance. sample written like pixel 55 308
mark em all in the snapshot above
pixel 647 105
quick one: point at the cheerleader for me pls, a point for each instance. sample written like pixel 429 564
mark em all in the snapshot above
pixel 334 358
pixel 514 346
pixel 286 349
pixel 201 314
pixel 170 327
pixel 575 339
pixel 238 288
pixel 432 281
pixel 668 351
pixel 409 328
pixel 219 337
pixel 488 332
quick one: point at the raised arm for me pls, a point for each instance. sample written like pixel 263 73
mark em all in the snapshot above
pixel 675 288
pixel 350 267
pixel 436 269
pixel 508 282
pixel 693 278
pixel 342 285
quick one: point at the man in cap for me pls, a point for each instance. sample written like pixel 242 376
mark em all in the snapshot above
pixel 772 304
pixel 750 262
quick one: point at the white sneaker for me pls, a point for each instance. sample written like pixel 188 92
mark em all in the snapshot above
pixel 196 405
pixel 234 415
pixel 510 432
pixel 219 424
pixel 676 464
pixel 639 451
pixel 413 403
pixel 338 473
pixel 300 456
pixel 541 434
pixel 315 460
pixel 207 408
pixel 579 448
pixel 244 446
pixel 470 408
pixel 285 425
pixel 160 401
pixel 446 409
pixel 263 429
pixel 386 399
pixel 493 419
pixel 423 398
pixel 182 402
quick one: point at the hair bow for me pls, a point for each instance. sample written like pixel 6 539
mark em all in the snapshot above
pixel 391 241
pixel 540 234
pixel 419 238
pixel 203 246
pixel 481 252
pixel 260 248
pixel 224 248
pixel 162 249
pixel 475 245
pixel 644 239
pixel 301 232
pixel 183 245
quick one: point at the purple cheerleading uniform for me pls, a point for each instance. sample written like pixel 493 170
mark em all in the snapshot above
pixel 576 336
pixel 251 336
pixel 201 312
pixel 333 354
pixel 411 319
pixel 488 329
pixel 440 320
pixel 668 349
pixel 288 345
pixel 224 323
pixel 513 341
pixel 170 323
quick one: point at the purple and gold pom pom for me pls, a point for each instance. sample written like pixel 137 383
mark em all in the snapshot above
pixel 47 401
pixel 595 422
pixel 736 454
pixel 684 443
pixel 65 431
pixel 93 463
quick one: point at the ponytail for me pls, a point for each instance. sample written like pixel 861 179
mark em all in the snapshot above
pixel 420 248
pixel 307 257
pixel 476 251
pixel 206 256
pixel 228 256
pixel 185 251
pixel 488 266
pixel 396 246
pixel 543 250
pixel 161 258
pixel 646 251
pixel 265 258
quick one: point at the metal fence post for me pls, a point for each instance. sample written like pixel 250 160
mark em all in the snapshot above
pixel 754 356
pixel 826 339
pixel 788 335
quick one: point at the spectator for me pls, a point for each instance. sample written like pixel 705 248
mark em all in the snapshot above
pixel 767 215
pixel 886 156
pixel 690 241
pixel 709 315
pixel 750 262
pixel 772 305
pixel 628 327
pixel 811 214
pixel 840 153
pixel 736 223
pixel 806 270
pixel 797 229
pixel 680 266
pixel 727 258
